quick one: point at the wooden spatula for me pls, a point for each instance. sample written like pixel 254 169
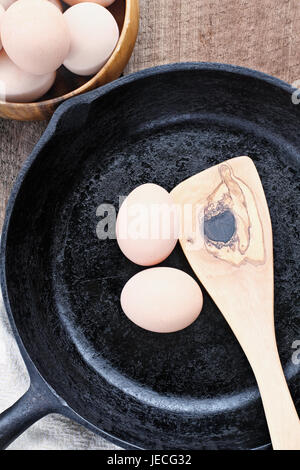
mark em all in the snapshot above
pixel 226 235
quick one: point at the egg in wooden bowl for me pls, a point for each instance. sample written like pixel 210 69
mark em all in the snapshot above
pixel 68 84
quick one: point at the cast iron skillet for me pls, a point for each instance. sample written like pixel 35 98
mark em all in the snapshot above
pixel 193 389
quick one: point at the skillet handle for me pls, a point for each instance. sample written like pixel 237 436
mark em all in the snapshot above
pixel 31 407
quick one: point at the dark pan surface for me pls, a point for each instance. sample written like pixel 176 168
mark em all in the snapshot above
pixel 192 389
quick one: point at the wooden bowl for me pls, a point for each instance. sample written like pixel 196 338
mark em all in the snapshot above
pixel 126 13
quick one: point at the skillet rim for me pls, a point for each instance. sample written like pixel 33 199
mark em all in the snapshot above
pixel 88 98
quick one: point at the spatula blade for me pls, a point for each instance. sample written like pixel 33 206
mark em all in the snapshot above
pixel 226 235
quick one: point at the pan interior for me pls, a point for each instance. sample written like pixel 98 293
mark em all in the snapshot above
pixel 193 388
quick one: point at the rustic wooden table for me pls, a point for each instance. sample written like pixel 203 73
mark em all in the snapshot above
pixel 262 34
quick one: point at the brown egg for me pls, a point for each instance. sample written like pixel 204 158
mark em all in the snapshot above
pixel 94 34
pixel 21 87
pixel 147 225
pixel 6 3
pixel 162 300
pixel 57 3
pixel 2 11
pixel 35 36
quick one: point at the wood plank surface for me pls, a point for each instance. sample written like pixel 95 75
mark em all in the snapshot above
pixel 261 34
